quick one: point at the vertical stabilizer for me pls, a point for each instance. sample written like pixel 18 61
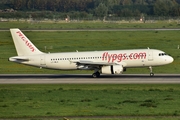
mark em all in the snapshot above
pixel 22 44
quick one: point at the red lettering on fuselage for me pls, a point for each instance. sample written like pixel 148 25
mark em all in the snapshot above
pixel 122 56
pixel 27 43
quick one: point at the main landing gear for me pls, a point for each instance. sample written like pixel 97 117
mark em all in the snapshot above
pixel 151 72
pixel 96 74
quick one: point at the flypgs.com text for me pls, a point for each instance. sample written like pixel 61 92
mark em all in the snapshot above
pixel 122 56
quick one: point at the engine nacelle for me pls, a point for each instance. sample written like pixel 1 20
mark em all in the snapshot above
pixel 113 69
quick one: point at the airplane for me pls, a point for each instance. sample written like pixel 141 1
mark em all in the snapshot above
pixel 102 62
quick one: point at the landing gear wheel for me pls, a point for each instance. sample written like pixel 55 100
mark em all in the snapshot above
pixel 151 74
pixel 96 75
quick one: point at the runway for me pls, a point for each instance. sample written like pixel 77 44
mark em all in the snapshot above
pixel 87 79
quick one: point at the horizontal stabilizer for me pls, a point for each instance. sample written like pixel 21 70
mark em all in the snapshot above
pixel 18 59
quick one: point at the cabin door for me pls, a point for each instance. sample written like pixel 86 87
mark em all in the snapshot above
pixel 150 55
pixel 42 60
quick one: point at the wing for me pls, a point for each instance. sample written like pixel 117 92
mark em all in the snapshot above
pixel 94 63
pixel 83 64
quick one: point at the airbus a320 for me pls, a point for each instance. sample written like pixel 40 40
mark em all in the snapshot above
pixel 102 62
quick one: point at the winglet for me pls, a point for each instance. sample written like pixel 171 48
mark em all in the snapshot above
pixel 22 44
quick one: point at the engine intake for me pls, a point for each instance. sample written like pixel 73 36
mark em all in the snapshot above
pixel 113 69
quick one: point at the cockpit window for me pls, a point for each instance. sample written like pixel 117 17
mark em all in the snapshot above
pixel 162 54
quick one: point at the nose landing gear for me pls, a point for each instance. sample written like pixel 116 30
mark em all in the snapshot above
pixel 151 72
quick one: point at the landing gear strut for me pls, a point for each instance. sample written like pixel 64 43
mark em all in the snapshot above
pixel 96 74
pixel 151 73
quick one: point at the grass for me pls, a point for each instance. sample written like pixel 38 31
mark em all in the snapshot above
pixel 19 101
pixel 132 102
pixel 167 41
pixel 86 24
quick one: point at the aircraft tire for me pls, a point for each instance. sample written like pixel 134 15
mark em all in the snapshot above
pixel 96 75
pixel 151 74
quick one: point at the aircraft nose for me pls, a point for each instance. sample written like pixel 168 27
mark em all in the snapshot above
pixel 170 59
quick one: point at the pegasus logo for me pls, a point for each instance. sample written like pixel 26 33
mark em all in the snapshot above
pixel 27 43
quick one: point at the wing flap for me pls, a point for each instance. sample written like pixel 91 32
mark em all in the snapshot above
pixel 98 63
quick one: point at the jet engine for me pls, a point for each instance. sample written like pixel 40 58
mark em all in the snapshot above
pixel 113 69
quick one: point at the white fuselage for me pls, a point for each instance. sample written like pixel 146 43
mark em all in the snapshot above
pixel 126 58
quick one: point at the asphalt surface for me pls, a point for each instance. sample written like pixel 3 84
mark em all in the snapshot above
pixel 87 79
